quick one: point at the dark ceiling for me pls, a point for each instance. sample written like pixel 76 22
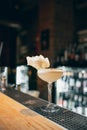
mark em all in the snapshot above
pixel 22 13
pixel 17 13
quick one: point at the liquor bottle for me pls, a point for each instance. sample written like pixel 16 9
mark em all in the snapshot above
pixel 66 55
pixel 79 107
pixel 66 100
pixel 77 85
pixel 85 84
pixel 76 103
pixel 71 99
pixel 60 101
pixel 85 107
pixel 72 80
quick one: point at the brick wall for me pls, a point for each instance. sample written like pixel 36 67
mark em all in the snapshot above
pixel 58 18
pixel 46 18
pixel 63 24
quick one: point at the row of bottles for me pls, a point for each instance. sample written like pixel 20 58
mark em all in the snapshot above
pixel 73 55
pixel 71 90
pixel 75 103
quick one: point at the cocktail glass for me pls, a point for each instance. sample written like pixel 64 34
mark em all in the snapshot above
pixel 50 75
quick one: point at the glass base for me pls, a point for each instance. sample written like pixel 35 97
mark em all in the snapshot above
pixel 50 108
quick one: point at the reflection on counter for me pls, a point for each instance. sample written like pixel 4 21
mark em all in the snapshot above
pixel 71 90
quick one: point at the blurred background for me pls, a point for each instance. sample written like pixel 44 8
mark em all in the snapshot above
pixel 56 29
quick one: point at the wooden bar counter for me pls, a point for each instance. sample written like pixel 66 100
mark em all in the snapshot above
pixel 15 116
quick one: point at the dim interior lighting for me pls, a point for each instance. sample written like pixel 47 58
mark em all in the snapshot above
pixel 10 24
pixel 14 25
pixel 16 7
pixel 83 71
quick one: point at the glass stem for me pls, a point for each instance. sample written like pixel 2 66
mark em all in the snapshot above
pixel 49 92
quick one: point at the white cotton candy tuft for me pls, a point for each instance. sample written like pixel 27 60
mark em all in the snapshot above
pixel 38 62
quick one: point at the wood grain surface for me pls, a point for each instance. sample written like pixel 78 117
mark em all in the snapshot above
pixel 15 116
